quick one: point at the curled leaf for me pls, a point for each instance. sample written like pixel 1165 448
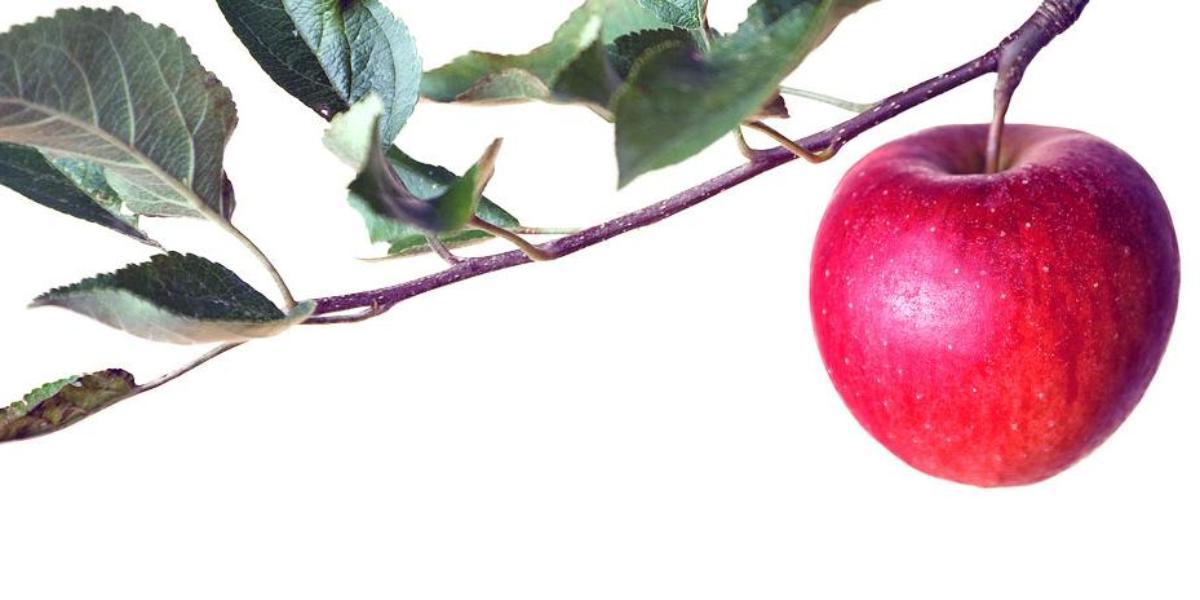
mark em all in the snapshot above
pixel 63 403
pixel 184 299
pixel 426 181
pixel 379 189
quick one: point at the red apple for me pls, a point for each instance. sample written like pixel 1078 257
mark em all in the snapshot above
pixel 994 329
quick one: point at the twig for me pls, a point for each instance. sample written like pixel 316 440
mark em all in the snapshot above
pixel 1051 19
pixel 1016 53
pixel 358 317
pixel 439 247
pixel 184 370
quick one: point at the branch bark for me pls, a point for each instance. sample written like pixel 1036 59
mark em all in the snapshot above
pixel 1012 54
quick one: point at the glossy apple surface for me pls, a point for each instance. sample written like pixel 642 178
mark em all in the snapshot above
pixel 994 329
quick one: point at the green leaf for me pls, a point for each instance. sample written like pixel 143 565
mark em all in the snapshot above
pixel 184 299
pixel 380 188
pixel 590 79
pixel 351 138
pixel 331 53
pixel 678 101
pixel 688 14
pixel 425 181
pixel 486 77
pixel 59 405
pixel 101 91
pixel 398 196
pixel 76 189
pixel 627 49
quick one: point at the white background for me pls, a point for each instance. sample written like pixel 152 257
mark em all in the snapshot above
pixel 646 419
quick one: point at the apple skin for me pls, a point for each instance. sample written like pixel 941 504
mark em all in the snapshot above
pixel 994 329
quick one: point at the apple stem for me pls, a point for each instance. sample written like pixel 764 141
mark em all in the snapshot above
pixel 1015 54
pixel 996 130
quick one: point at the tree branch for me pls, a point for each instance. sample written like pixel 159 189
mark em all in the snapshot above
pixel 1052 18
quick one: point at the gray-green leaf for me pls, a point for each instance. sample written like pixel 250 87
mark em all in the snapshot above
pixel 678 101
pixel 63 403
pixel 102 90
pixel 688 14
pixel 331 53
pixel 184 299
